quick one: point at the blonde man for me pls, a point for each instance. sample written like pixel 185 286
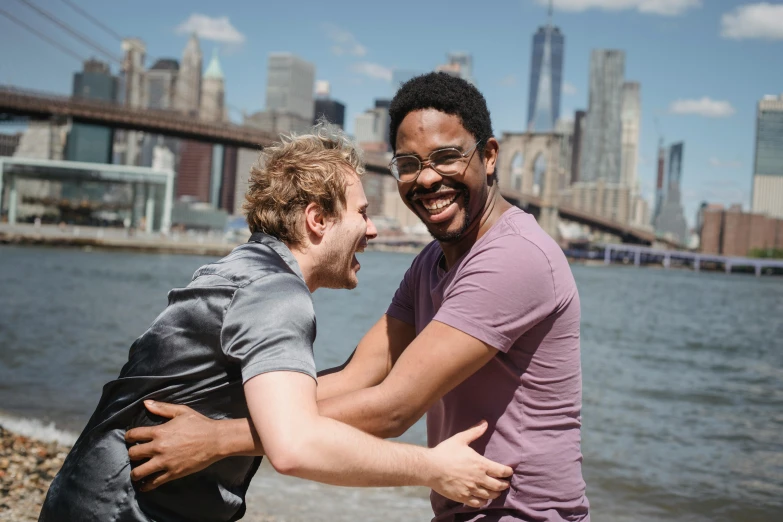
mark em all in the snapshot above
pixel 237 342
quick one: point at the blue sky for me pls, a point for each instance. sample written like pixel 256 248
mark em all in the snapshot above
pixel 702 64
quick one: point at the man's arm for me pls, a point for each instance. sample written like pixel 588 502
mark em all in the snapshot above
pixel 437 360
pixel 300 442
pixel 372 360
pixel 190 442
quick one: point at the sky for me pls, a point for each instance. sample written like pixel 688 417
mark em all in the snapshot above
pixel 702 64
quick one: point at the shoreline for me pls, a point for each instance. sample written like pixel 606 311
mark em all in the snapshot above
pixel 27 468
pixel 159 246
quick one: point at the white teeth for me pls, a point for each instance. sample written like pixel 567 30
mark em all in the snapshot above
pixel 433 205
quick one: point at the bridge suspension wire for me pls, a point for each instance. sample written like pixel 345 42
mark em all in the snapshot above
pixel 72 31
pixel 41 35
pixel 114 34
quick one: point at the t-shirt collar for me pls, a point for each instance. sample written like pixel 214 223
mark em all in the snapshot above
pixel 278 246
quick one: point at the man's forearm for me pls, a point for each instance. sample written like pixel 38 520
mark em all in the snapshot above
pixel 238 437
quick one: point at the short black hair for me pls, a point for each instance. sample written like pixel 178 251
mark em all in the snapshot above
pixel 445 93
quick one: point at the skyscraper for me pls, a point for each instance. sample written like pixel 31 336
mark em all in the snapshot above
pixel 631 119
pixel 768 165
pixel 87 142
pixel 213 96
pixel 132 94
pixel 188 92
pixel 325 107
pixel 289 88
pixel 670 220
pixel 576 154
pixel 602 147
pixel 161 84
pixel 459 65
pixel 546 75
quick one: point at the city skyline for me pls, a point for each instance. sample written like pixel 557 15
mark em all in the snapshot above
pixel 712 110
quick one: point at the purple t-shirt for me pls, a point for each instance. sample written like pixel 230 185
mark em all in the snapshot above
pixel 514 291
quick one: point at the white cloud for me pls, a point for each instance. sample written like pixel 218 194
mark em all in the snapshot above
pixel 372 70
pixel 658 7
pixel 510 80
pixel 217 29
pixel 569 89
pixel 760 20
pixel 730 164
pixel 344 42
pixel 705 106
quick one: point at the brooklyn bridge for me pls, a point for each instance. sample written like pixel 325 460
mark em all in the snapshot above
pixel 544 203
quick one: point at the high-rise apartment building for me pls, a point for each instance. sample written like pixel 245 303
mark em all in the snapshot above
pixel 459 65
pixel 161 84
pixel 289 88
pixel 213 95
pixel 188 92
pixel 602 146
pixel 546 75
pixel 327 108
pixel 631 120
pixel 371 128
pixel 87 142
pixel 768 165
pixel 131 93
pixel 576 154
pixel 670 220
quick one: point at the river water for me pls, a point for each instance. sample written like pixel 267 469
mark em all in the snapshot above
pixel 683 378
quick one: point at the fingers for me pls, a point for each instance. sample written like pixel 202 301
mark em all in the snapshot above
pixel 493 484
pixel 474 432
pixel 165 409
pixel 156 481
pixel 498 470
pixel 144 434
pixel 146 469
pixel 141 452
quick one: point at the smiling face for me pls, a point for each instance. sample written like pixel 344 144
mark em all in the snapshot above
pixel 343 238
pixel 446 204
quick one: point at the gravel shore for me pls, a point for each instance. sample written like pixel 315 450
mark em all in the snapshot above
pixel 27 467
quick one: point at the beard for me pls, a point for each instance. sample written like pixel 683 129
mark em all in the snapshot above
pixel 447 236
pixel 334 269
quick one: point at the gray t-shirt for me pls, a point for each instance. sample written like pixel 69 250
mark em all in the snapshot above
pixel 247 314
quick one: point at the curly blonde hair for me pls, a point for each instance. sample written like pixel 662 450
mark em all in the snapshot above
pixel 312 168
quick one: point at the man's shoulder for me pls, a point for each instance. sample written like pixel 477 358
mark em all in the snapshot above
pixel 519 231
pixel 245 264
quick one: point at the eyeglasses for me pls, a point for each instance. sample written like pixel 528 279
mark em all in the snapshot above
pixel 446 162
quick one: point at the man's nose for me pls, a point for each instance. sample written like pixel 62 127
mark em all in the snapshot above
pixel 371 232
pixel 428 176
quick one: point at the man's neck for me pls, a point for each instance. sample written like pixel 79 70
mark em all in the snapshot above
pixel 307 265
pixel 494 207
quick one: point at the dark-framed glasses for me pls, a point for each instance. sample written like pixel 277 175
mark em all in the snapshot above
pixel 446 162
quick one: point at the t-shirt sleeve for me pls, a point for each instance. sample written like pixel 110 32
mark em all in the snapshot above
pixel 402 305
pixel 501 293
pixel 270 326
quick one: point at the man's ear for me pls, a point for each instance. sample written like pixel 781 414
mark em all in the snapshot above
pixel 491 155
pixel 315 222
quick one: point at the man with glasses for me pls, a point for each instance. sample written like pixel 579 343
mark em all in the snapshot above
pixel 484 325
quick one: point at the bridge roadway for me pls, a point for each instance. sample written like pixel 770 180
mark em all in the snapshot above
pixel 22 102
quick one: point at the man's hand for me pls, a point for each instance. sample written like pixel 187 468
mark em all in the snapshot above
pixel 183 445
pixel 465 476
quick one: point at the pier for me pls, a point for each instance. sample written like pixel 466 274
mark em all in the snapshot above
pixel 641 255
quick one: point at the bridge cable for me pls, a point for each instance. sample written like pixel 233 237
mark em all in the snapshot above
pixel 72 31
pixel 94 20
pixel 42 36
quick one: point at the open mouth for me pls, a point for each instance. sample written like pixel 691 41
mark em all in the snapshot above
pixel 436 206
